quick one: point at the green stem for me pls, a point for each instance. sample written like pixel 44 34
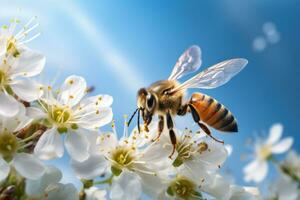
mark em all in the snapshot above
pixel 106 181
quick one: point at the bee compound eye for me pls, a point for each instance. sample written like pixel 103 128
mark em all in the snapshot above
pixel 150 101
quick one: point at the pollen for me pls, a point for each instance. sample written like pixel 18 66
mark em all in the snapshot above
pixel 202 146
pixel 71 82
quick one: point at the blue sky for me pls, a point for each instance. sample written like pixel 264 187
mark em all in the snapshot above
pixel 121 46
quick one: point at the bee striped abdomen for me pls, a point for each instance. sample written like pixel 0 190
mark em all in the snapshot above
pixel 213 113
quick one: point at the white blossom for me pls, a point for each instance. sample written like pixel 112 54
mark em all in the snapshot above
pixel 131 166
pixel 48 187
pixel 11 148
pixel 94 193
pixel 65 111
pixel 264 150
pixel 18 63
pixel 284 189
pixel 291 163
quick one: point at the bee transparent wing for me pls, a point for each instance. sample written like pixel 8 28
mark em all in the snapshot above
pixel 215 75
pixel 188 62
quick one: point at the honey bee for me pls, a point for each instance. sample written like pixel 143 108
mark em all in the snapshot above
pixel 165 98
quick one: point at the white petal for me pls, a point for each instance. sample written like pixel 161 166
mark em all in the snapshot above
pixel 219 188
pixel 203 178
pixel 275 133
pixel 72 90
pixel 98 101
pixel 94 166
pixel 152 185
pixel 126 186
pixel 4 169
pixel 35 113
pixel 213 158
pixel 92 137
pixel 17 122
pixel 8 105
pixel 94 193
pixel 36 188
pixel 28 166
pixel 28 90
pixel 95 118
pixel 77 145
pixel 256 171
pixel 30 63
pixel 229 149
pixel 107 142
pixel 50 145
pixel 283 146
pixel 156 155
pixel 63 191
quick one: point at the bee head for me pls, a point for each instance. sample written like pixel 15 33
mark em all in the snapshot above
pixel 146 100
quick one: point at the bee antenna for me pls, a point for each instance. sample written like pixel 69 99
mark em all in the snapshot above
pixel 138 120
pixel 132 116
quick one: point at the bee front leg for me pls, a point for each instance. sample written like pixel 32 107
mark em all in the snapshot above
pixel 197 119
pixel 161 124
pixel 147 122
pixel 172 134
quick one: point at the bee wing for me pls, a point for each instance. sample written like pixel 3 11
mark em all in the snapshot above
pixel 188 62
pixel 215 75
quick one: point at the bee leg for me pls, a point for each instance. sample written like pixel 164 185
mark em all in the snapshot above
pixel 147 122
pixel 172 134
pixel 183 110
pixel 197 119
pixel 161 124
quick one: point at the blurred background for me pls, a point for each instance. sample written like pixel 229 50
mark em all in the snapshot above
pixel 120 46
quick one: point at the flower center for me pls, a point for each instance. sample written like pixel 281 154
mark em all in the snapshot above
pixel 182 187
pixel 11 47
pixel 264 152
pixel 8 144
pixel 60 115
pixel 122 156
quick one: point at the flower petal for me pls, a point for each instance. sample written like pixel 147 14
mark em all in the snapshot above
pixel 102 100
pixel 219 188
pixel 28 90
pixel 283 146
pixel 63 191
pixel 107 142
pixel 28 166
pixel 95 118
pixel 4 169
pixel 50 145
pixel 36 188
pixel 275 133
pixel 35 113
pixel 256 171
pixel 94 166
pixel 126 186
pixel 17 122
pixel 8 105
pixel 213 158
pixel 29 63
pixel 94 193
pixel 72 91
pixel 77 145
